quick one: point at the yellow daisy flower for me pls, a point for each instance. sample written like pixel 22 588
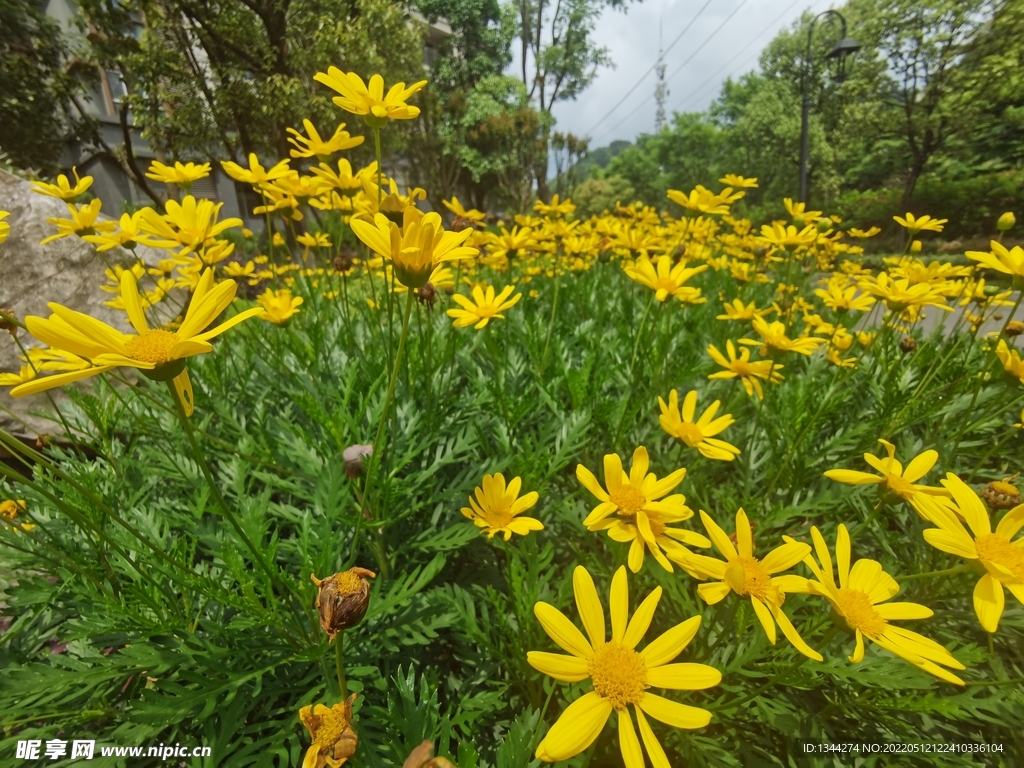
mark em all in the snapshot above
pixel 63 189
pixel 496 507
pixel 733 180
pixel 863 233
pixel 737 310
pixel 619 673
pixel 555 207
pixel 1010 358
pixel 191 223
pixel 779 235
pixel 697 434
pixel 1009 261
pixel 256 174
pixel 751 577
pixel 420 245
pixel 330 729
pixel 469 214
pixel 901 294
pixel 278 306
pixel 859 599
pixel 896 483
pixel 157 353
pixel 128 235
pixel 704 200
pixel 84 221
pixel 9 511
pixel 775 342
pixel 667 279
pixel 25 374
pixel 181 174
pixel 5 228
pixel 840 298
pixel 311 145
pixel 483 307
pixel 1002 558
pixel 923 224
pixel 741 368
pixel 371 102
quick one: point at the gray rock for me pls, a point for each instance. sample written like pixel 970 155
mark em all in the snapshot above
pixel 67 271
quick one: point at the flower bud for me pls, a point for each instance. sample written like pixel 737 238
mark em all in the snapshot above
pixel 460 223
pixel 915 247
pixel 823 225
pixel 1001 494
pixel 1006 222
pixel 1014 328
pixel 354 457
pixel 422 757
pixel 427 294
pixel 330 729
pixel 908 344
pixel 7 318
pixel 342 599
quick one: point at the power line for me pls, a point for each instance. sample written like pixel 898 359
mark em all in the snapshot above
pixel 680 67
pixel 767 28
pixel 643 77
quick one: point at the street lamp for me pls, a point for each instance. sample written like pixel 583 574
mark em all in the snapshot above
pixel 842 49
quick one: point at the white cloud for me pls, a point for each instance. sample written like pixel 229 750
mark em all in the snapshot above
pixel 632 40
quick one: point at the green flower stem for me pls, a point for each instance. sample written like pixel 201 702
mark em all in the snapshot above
pixel 375 458
pixel 339 664
pixel 935 574
pixel 200 458
pixel 551 323
pixel 632 368
pixel 981 379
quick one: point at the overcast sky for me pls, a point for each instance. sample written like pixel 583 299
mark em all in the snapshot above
pixel 743 27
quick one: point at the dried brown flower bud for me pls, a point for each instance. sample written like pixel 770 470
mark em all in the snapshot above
pixel 344 260
pixel 7 318
pixel 1001 494
pixel 334 741
pixel 460 223
pixel 1014 328
pixel 342 599
pixel 908 344
pixel 427 294
pixel 422 757
pixel 354 457
pixel 44 440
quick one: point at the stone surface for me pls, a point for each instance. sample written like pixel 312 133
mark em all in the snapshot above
pixel 67 271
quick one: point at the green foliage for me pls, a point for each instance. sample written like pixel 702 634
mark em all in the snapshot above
pixel 170 629
pixel 35 89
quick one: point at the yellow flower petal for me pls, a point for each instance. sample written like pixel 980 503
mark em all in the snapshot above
pixel 576 729
pixel 683 677
pixel 989 602
pixel 589 605
pixel 674 713
pixel 632 755
pixel 562 631
pixel 569 669
pixel 641 620
pixel 671 643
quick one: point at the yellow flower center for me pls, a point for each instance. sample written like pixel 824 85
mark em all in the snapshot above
pixel 487 310
pixel 628 499
pixel 619 674
pixel 756 580
pixel 151 346
pixel 996 549
pixel 332 726
pixel 666 284
pixel 690 434
pixel 498 518
pixel 899 486
pixel 859 612
pixel 348 583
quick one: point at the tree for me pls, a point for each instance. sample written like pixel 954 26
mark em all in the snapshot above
pixel 559 57
pixel 34 88
pixel 207 80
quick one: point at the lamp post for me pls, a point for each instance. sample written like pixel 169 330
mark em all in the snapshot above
pixel 842 49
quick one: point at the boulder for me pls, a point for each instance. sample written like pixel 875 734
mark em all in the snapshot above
pixel 68 271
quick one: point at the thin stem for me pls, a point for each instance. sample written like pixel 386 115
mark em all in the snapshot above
pixel 934 574
pixel 339 664
pixel 375 456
